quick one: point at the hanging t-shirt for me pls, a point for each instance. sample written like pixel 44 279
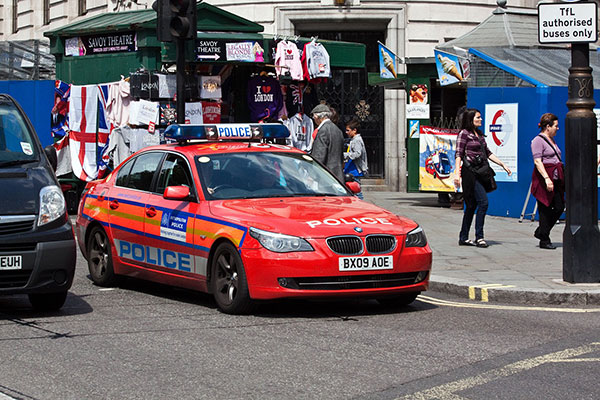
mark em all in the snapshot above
pixel 264 98
pixel 300 97
pixel 211 112
pixel 210 87
pixel 293 98
pixel 287 55
pixel 315 60
pixel 301 128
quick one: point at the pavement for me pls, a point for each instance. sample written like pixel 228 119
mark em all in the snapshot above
pixel 513 269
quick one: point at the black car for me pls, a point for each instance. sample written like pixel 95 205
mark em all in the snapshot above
pixel 37 244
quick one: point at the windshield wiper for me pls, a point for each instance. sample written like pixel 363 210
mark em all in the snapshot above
pixel 15 162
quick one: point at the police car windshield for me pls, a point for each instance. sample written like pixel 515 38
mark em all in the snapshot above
pixel 16 142
pixel 265 174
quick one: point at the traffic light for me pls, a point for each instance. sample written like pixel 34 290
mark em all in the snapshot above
pixel 176 19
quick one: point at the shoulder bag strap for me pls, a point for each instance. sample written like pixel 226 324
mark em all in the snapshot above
pixel 553 148
pixel 483 153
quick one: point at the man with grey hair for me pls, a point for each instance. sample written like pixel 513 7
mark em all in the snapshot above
pixel 328 146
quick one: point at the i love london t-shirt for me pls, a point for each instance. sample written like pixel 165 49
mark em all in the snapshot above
pixel 288 55
pixel 264 98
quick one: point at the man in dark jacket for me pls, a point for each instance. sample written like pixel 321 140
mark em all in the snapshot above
pixel 328 146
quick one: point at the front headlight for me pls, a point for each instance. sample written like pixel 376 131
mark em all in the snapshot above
pixel 52 204
pixel 280 243
pixel 416 238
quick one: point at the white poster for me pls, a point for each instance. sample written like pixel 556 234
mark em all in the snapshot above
pixel 502 131
pixel 417 111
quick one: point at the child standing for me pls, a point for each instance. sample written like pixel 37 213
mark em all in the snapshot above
pixel 355 157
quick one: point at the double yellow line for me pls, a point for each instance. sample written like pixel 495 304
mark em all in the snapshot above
pixel 478 305
pixel 483 290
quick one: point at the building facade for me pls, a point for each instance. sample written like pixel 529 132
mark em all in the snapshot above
pixel 410 28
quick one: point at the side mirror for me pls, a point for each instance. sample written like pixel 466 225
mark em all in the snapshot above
pixel 52 156
pixel 177 193
pixel 353 186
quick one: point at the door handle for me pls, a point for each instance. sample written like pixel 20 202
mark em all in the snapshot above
pixel 151 212
pixel 114 205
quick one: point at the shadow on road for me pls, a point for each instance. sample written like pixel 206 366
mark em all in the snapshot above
pixel 18 306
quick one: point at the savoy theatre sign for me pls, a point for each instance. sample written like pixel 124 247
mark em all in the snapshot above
pixel 567 22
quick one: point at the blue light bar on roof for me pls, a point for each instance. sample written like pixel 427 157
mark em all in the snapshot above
pixel 183 133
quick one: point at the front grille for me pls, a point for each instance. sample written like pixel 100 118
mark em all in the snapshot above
pixel 352 282
pixel 16 247
pixel 14 279
pixel 345 245
pixel 378 244
pixel 12 225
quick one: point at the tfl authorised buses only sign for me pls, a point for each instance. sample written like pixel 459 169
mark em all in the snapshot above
pixel 567 22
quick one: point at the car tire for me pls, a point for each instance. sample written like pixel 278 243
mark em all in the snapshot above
pixel 399 300
pixel 228 281
pixel 99 258
pixel 47 301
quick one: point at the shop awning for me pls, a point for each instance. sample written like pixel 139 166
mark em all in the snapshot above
pixel 399 83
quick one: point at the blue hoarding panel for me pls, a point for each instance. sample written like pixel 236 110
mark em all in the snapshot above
pixel 509 198
pixel 37 99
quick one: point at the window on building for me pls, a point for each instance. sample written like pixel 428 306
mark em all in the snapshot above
pixel 82 7
pixel 46 8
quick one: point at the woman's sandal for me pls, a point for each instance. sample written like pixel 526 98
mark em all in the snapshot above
pixel 481 243
pixel 467 242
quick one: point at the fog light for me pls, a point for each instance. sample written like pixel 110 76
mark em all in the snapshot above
pixel 421 276
pixel 282 282
pixel 60 276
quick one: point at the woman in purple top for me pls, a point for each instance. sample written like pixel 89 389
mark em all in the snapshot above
pixel 470 145
pixel 547 182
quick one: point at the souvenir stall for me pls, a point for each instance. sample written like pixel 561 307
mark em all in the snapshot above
pixel 116 86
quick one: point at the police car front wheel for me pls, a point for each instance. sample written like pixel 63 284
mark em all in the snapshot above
pixel 228 280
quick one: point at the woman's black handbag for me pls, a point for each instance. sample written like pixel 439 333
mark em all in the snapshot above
pixel 485 175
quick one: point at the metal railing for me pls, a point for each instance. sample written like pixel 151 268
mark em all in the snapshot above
pixel 26 60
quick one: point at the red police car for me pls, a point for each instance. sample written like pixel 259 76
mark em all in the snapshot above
pixel 228 211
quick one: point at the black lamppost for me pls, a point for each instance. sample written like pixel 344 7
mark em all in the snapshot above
pixel 581 237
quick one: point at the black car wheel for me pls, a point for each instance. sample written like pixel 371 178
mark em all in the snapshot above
pixel 47 301
pixel 100 258
pixel 228 280
pixel 399 300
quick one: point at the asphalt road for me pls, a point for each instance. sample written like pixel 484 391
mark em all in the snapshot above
pixel 141 341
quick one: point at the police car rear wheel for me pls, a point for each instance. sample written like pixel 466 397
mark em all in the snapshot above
pixel 228 279
pixel 100 258
pixel 398 301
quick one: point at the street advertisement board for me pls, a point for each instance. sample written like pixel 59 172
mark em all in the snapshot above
pixel 212 50
pixel 450 68
pixel 437 155
pixel 568 23
pixel 501 131
pixel 101 44
pixel 387 63
pixel 413 128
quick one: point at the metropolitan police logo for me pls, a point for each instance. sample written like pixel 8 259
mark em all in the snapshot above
pixel 165 219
